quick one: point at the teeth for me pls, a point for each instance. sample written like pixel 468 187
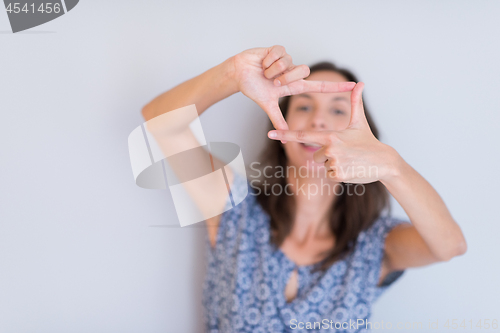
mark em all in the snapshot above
pixel 311 145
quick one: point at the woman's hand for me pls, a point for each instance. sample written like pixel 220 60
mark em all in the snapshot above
pixel 266 74
pixel 352 155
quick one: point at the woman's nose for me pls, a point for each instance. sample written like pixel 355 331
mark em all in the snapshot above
pixel 318 121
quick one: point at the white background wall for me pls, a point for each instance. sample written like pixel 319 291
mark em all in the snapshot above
pixel 78 252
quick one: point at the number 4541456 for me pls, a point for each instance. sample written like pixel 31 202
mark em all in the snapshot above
pixel 47 8
pixel 481 324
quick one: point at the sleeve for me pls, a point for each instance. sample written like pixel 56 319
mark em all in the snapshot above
pixel 376 237
pixel 234 218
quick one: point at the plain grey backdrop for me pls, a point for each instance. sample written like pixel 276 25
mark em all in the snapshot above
pixel 80 246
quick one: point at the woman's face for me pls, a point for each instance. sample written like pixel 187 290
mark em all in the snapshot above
pixel 316 112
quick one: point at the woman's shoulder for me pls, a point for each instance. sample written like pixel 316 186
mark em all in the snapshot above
pixel 240 192
pixel 370 251
pixel 242 212
pixel 370 243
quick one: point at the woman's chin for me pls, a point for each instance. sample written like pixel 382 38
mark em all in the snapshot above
pixel 308 168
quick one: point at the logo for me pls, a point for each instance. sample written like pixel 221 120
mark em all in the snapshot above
pixel 28 14
pixel 170 151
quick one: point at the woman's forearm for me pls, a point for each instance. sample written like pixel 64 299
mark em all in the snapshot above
pixel 203 90
pixel 426 210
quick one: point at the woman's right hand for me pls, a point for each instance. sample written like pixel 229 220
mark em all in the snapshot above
pixel 266 74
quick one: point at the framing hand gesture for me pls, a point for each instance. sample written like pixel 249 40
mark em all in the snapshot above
pixel 352 155
pixel 266 74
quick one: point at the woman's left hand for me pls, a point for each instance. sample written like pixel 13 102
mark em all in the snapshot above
pixel 352 155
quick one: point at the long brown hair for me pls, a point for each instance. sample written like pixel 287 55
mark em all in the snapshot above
pixel 350 214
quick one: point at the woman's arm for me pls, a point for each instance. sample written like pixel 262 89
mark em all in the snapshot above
pixel 203 90
pixel 174 135
pixel 433 236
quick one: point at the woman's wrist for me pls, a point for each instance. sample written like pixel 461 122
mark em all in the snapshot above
pixel 394 167
pixel 228 75
pixel 210 87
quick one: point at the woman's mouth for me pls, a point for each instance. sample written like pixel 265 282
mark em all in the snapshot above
pixel 310 146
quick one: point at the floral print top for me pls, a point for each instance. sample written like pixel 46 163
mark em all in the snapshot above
pixel 246 277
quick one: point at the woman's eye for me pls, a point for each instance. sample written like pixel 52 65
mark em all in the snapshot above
pixel 303 108
pixel 336 111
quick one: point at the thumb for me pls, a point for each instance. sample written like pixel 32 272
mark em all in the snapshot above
pixel 276 116
pixel 358 118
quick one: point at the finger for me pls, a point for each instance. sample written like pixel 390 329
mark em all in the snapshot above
pixel 275 53
pixel 302 86
pixel 332 173
pixel 358 117
pixel 276 116
pixel 297 73
pixel 319 155
pixel 279 67
pixel 331 169
pixel 317 137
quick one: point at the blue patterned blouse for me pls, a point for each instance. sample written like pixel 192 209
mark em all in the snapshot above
pixel 246 278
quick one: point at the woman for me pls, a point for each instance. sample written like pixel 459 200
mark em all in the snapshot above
pixel 301 259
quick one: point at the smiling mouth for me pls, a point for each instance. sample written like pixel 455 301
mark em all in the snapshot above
pixel 310 146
